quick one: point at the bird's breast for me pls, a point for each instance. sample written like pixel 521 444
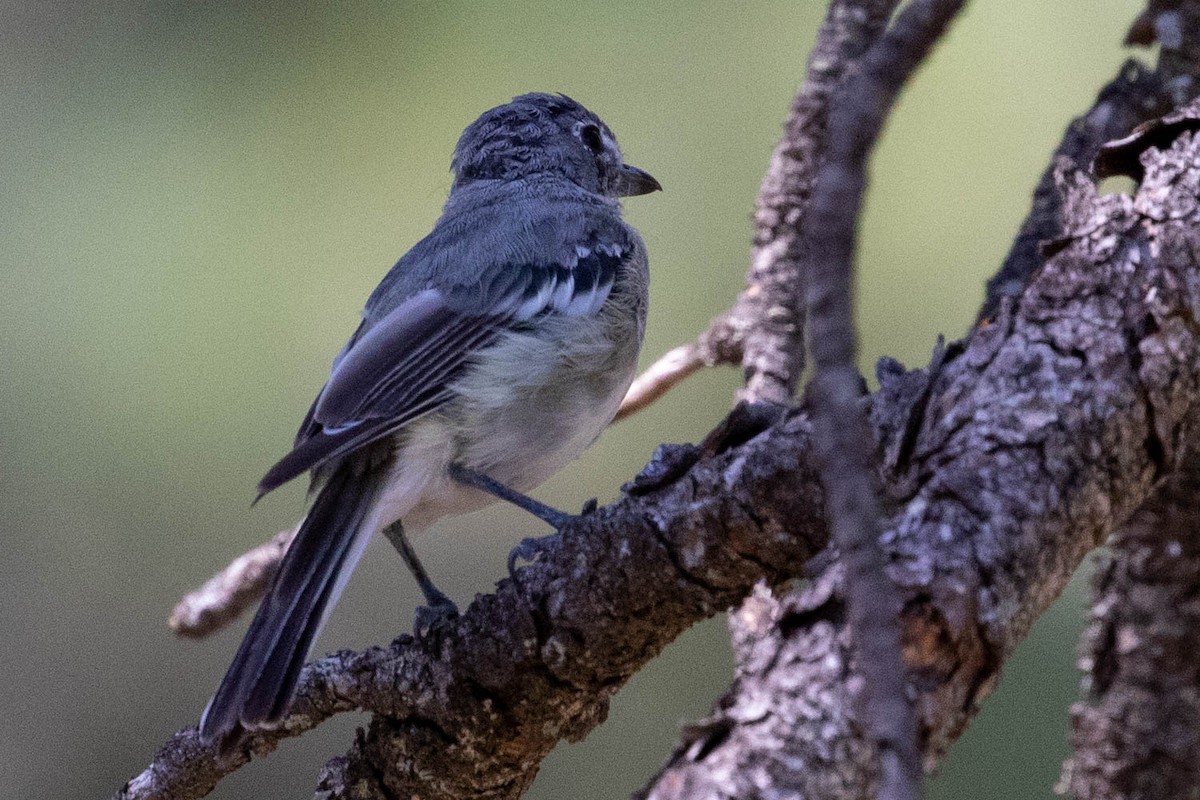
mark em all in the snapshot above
pixel 535 400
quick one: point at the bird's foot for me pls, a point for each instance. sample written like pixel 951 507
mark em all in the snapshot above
pixel 531 549
pixel 437 607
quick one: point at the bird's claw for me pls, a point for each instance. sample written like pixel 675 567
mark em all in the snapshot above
pixel 529 550
pixel 436 608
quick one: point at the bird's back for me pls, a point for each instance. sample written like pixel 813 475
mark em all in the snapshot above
pixel 491 232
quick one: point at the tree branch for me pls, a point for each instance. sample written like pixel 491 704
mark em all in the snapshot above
pixel 1137 733
pixel 237 587
pixel 764 330
pixel 844 439
pixel 1134 96
pixel 1034 440
pixel 1029 446
pixel 469 707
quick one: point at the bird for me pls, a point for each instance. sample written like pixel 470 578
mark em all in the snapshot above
pixel 490 356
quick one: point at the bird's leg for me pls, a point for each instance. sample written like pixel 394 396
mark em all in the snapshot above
pixel 469 477
pixel 434 597
pixel 528 549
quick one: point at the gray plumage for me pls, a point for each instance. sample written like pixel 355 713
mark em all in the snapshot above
pixel 501 343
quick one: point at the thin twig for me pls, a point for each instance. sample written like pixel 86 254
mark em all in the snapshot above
pixel 845 441
pixel 764 330
pixel 661 377
pixel 674 367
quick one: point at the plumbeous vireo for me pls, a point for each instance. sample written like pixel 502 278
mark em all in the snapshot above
pixel 490 356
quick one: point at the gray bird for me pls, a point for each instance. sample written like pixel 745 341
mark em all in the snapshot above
pixel 490 356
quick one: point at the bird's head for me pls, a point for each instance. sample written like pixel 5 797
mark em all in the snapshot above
pixel 544 133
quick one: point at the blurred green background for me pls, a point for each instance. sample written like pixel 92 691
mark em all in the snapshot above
pixel 198 197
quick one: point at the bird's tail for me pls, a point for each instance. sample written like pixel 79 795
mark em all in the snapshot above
pixel 258 687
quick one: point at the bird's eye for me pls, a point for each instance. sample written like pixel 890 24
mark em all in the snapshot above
pixel 590 136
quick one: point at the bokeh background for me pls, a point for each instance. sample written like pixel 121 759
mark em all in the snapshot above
pixel 196 199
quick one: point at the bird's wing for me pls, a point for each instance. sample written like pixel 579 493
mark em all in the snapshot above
pixel 402 366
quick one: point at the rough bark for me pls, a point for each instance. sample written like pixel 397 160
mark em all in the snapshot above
pixel 1137 733
pixel 771 310
pixel 1134 96
pixel 1028 446
pixel 1019 453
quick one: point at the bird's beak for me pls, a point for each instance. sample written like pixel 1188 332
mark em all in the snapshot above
pixel 632 181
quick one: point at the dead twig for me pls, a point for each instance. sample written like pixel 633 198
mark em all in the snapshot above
pixel 231 591
pixel 845 442
pixel 764 330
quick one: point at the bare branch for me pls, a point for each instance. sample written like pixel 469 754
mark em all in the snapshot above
pixel 1136 734
pixel 1026 446
pixel 1134 96
pixel 1030 445
pixel 764 331
pixel 844 439
pixel 661 377
pixel 231 591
